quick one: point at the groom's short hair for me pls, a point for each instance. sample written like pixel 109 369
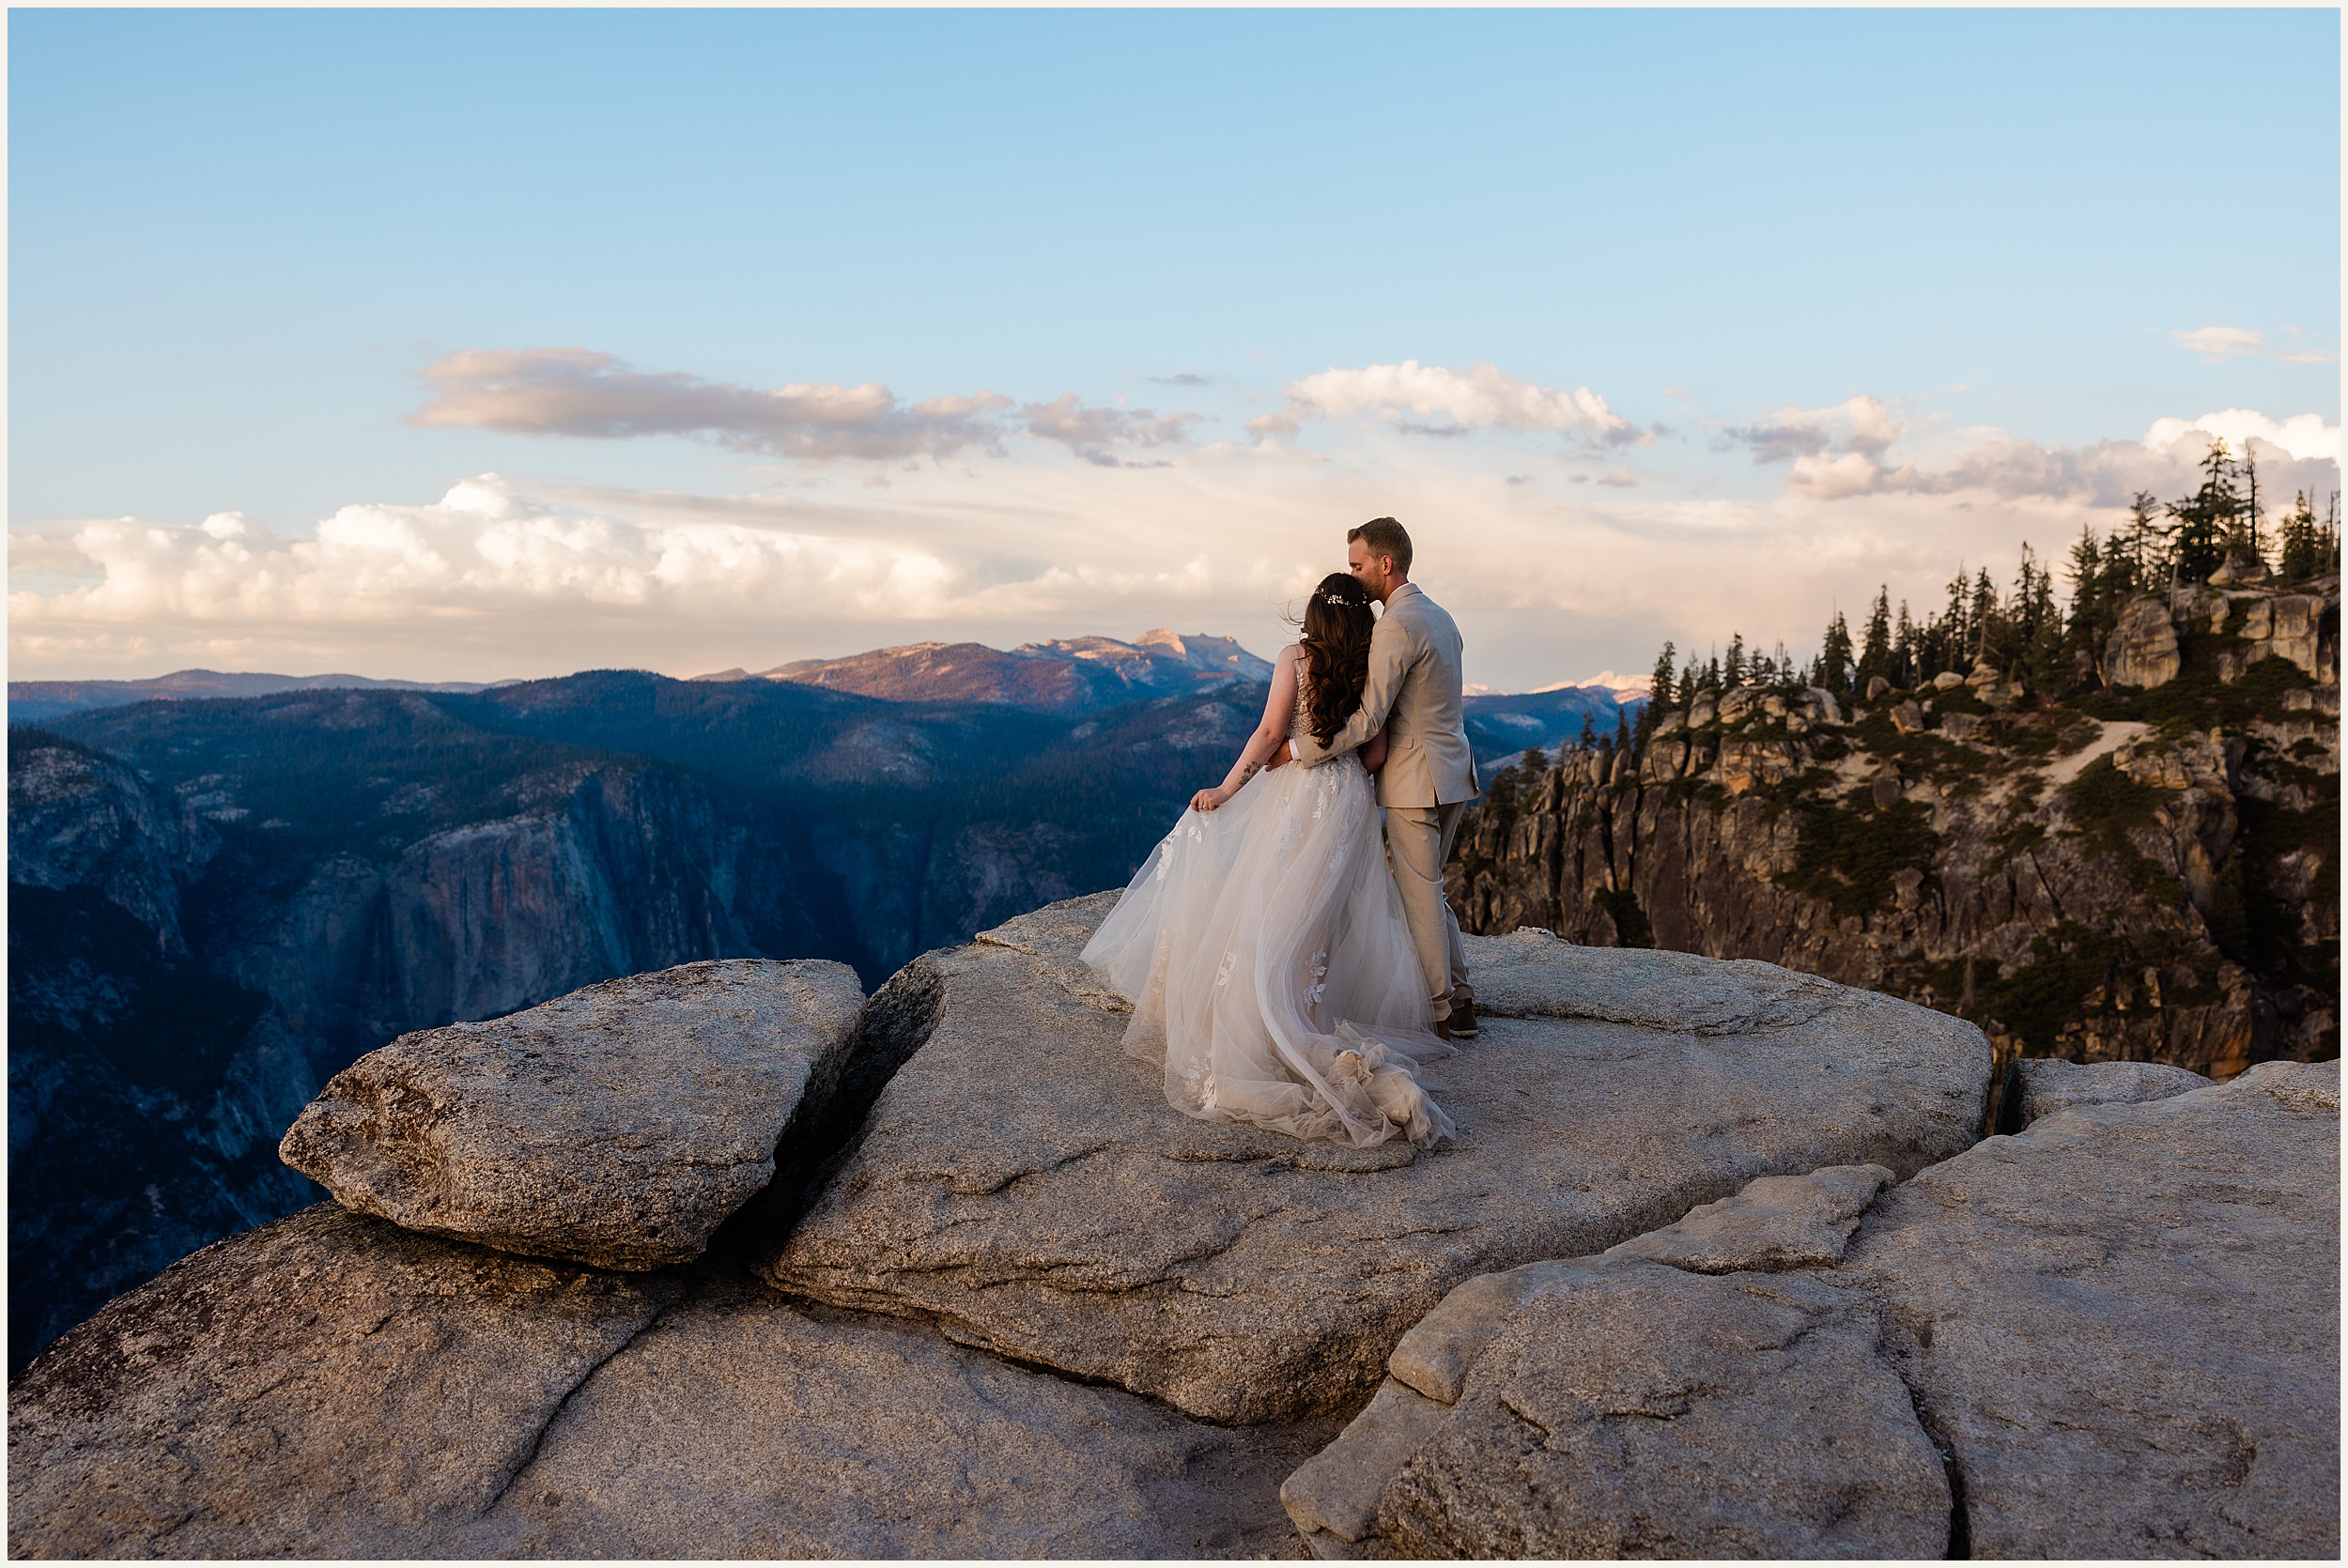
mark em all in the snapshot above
pixel 1384 536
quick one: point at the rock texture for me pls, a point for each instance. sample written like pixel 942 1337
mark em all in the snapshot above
pixel 331 1386
pixel 2040 1086
pixel 1630 1410
pixel 2123 1324
pixel 1775 1223
pixel 618 1126
pixel 2120 1328
pixel 1025 1186
pixel 326 1386
pixel 741 1427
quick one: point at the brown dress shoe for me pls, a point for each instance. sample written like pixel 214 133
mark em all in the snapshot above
pixel 1462 1022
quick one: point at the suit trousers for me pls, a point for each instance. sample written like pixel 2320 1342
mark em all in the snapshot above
pixel 1418 845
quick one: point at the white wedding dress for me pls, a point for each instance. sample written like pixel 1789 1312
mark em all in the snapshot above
pixel 1264 949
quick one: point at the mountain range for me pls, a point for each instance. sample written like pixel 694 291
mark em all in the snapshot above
pixel 217 901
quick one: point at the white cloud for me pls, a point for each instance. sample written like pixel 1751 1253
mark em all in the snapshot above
pixel 2302 435
pixel 1406 395
pixel 2219 343
pixel 1854 473
pixel 2225 343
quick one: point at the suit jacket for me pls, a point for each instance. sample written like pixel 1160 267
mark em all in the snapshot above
pixel 1414 690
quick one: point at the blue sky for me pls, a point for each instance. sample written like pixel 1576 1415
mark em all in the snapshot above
pixel 239 240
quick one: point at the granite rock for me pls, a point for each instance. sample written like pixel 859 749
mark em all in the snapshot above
pixel 741 1427
pixel 326 1386
pixel 1023 1186
pixel 618 1126
pixel 2039 1087
pixel 1630 1410
pixel 1774 1224
pixel 334 1386
pixel 2122 1324
pixel 2142 649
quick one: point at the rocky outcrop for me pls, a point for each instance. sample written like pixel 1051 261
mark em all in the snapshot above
pixel 2142 649
pixel 1025 1186
pixel 2035 1315
pixel 618 1126
pixel 1661 1323
pixel 2147 873
pixel 331 1386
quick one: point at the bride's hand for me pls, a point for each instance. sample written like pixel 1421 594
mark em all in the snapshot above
pixel 1207 800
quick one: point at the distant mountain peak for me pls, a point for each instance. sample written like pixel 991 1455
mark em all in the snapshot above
pixel 1065 674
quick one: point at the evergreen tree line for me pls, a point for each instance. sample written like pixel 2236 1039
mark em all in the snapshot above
pixel 2025 630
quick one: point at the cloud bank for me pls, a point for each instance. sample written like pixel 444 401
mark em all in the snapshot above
pixel 1063 516
pixel 582 393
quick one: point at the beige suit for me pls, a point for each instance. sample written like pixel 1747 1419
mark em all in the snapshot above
pixel 1428 778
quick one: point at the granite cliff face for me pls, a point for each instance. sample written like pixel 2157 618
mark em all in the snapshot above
pixel 179 984
pixel 1717 1267
pixel 2148 873
pixel 220 904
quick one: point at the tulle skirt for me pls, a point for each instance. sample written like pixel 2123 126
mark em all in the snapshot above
pixel 1270 969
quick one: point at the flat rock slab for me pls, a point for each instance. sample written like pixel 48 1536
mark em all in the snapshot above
pixel 1629 1409
pixel 334 1386
pixel 325 1386
pixel 2041 1085
pixel 1775 1223
pixel 1025 1186
pixel 2123 1323
pixel 738 1427
pixel 618 1126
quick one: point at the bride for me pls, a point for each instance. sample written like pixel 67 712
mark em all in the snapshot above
pixel 1263 943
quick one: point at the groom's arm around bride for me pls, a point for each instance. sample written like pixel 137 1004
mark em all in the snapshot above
pixel 1414 694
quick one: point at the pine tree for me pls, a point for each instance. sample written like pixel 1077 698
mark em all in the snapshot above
pixel 2302 542
pixel 1981 618
pixel 2087 586
pixel 1907 651
pixel 1875 654
pixel 1659 693
pixel 2205 519
pixel 1589 732
pixel 1733 672
pixel 1834 657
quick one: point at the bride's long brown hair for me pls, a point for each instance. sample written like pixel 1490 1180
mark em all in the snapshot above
pixel 1337 623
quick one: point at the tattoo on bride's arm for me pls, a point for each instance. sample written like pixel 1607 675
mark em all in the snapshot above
pixel 1250 771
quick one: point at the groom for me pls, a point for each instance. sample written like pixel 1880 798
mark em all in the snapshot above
pixel 1429 775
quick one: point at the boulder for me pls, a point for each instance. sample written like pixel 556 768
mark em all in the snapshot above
pixel 1023 1186
pixel 2120 1330
pixel 1908 717
pixel 617 1125
pixel 325 1386
pixel 2039 1087
pixel 2142 647
pixel 332 1386
pixel 1878 686
pixel 2122 1324
pixel 1628 1408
